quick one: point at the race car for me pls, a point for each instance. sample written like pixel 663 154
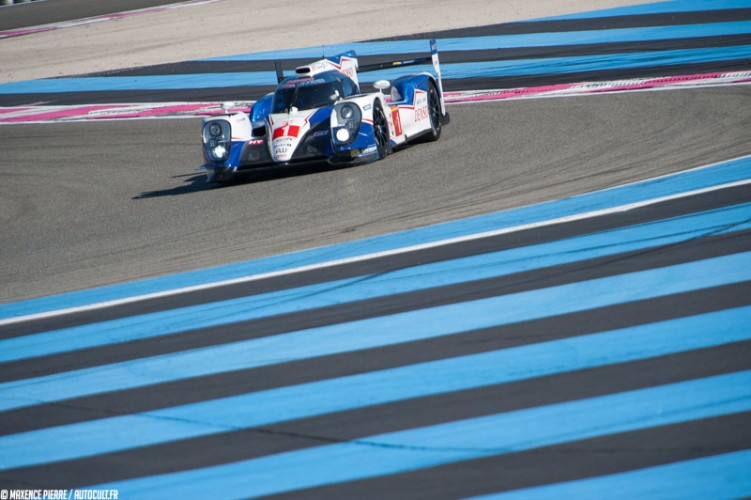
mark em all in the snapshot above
pixel 320 114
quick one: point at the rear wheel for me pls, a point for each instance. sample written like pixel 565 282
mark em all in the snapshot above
pixel 435 113
pixel 380 129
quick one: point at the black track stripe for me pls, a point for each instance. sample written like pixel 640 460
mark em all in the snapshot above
pixel 326 367
pixel 243 93
pixel 580 50
pixel 356 424
pixel 554 464
pixel 52 11
pixel 249 93
pixel 493 287
pixel 660 211
pixel 676 70
pixel 208 67
pixel 589 24
pixel 451 294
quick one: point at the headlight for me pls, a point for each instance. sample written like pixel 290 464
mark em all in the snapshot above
pixel 219 151
pixel 342 135
pixel 345 122
pixel 347 112
pixel 215 129
pixel 217 139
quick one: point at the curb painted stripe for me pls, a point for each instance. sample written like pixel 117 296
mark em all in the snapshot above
pixel 56 114
pixel 380 331
pixel 719 477
pixel 374 388
pixel 416 278
pixel 589 88
pixel 453 442
pixel 621 198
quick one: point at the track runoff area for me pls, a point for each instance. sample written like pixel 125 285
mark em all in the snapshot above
pixel 669 44
pixel 598 343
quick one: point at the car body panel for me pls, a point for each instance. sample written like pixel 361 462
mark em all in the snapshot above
pixel 302 120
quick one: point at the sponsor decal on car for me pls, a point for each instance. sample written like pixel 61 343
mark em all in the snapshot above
pixel 421 106
pixel 346 68
pixel 286 130
pixel 283 148
pixel 302 82
pixel 397 120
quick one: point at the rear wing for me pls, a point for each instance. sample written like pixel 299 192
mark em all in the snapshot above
pixel 432 58
pixel 347 64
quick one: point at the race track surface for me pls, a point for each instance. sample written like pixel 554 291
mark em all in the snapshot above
pixel 552 301
pixel 123 200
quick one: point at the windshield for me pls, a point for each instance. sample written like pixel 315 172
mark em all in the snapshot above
pixel 305 94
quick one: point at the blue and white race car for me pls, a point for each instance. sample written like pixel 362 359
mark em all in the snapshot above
pixel 320 114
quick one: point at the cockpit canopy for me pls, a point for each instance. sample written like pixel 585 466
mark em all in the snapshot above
pixel 323 89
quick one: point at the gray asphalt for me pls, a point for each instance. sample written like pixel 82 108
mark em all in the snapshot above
pixel 55 11
pixel 88 204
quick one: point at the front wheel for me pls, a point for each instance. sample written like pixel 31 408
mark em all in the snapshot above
pixel 380 130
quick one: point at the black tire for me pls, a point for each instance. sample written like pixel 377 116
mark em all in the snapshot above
pixel 435 114
pixel 380 130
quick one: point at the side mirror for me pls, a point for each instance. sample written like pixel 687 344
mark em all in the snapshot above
pixel 382 85
pixel 226 106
